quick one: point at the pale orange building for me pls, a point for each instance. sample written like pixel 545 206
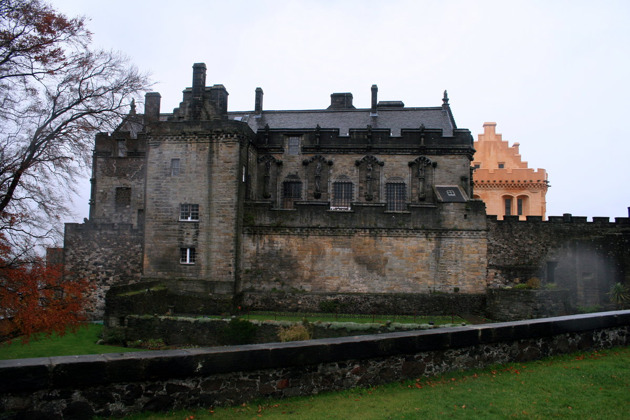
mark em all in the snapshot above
pixel 503 181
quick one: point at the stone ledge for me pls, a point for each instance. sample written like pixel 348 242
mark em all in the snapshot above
pixel 25 375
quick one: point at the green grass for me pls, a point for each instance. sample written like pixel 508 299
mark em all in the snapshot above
pixel 329 317
pixel 81 342
pixel 594 385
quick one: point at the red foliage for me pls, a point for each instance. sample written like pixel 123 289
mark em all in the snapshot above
pixel 35 298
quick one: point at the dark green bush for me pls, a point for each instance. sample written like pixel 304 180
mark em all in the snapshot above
pixel 238 331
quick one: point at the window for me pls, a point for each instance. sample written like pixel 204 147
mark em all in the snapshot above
pixel 175 168
pixel 342 195
pixel 477 166
pixel 189 212
pixel 396 196
pixel 294 145
pixel 519 206
pixel 121 148
pixel 123 197
pixel 501 165
pixel 508 206
pixel 291 191
pixel 187 256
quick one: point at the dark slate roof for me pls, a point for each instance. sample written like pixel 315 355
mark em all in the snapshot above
pixel 393 119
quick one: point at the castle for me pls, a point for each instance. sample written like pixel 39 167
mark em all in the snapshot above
pixel 266 204
pixel 503 181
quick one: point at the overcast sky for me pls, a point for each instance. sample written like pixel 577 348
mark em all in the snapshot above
pixel 553 75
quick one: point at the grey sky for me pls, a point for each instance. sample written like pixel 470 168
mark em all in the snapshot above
pixel 553 74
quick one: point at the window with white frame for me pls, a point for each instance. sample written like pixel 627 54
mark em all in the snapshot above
pixel 294 145
pixel 187 256
pixel 121 148
pixel 189 212
pixel 175 167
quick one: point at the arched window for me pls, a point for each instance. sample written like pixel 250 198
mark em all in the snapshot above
pixel 396 195
pixel 508 202
pixel 343 192
pixel 522 205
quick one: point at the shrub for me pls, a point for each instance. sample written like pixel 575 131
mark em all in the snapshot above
pixel 619 294
pixel 329 306
pixel 238 331
pixel 533 283
pixel 113 335
pixel 295 332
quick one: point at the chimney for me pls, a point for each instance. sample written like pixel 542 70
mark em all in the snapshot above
pixel 199 80
pixel 489 129
pixel 374 98
pixel 198 88
pixel 259 101
pixel 152 107
pixel 341 101
pixel 219 98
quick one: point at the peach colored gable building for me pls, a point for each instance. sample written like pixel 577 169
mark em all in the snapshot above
pixel 503 181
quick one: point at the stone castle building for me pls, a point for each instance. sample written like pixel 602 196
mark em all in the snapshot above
pixel 503 181
pixel 261 205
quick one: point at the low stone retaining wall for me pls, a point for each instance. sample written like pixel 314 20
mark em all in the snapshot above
pixel 116 384
pixel 181 331
pixel 512 304
pixel 368 303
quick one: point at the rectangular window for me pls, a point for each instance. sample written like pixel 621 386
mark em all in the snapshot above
pixel 174 167
pixel 291 191
pixel 519 206
pixel 121 148
pixel 508 206
pixel 123 197
pixel 396 196
pixel 342 195
pixel 188 212
pixel 294 145
pixel 501 165
pixel 187 256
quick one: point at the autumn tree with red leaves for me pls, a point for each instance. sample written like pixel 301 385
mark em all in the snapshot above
pixel 55 94
pixel 35 298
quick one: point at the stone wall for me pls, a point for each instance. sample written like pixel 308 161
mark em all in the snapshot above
pixel 187 331
pixel 369 303
pixel 514 304
pixel 439 248
pixel 106 254
pixel 117 384
pixel 583 257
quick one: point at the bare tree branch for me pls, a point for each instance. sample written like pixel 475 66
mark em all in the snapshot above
pixel 55 94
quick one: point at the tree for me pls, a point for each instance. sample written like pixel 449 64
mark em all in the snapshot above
pixel 35 297
pixel 55 94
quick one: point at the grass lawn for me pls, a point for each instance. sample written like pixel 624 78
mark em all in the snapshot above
pixel 330 317
pixel 81 342
pixel 594 385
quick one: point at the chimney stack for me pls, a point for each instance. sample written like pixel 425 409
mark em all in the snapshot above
pixel 374 98
pixel 198 88
pixel 341 101
pixel 259 101
pixel 219 98
pixel 199 80
pixel 152 107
